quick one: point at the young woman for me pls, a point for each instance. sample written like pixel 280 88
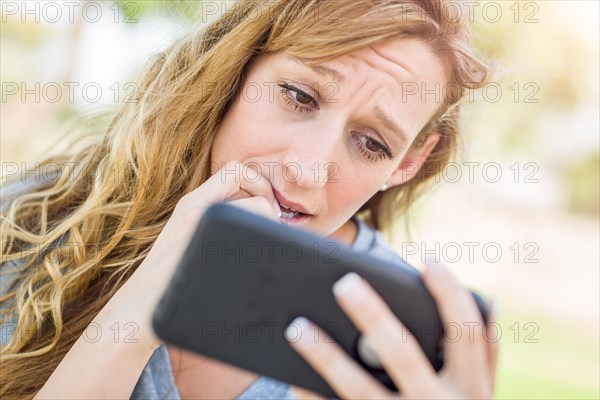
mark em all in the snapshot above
pixel 318 106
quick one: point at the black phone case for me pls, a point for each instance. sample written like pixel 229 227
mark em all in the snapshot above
pixel 243 278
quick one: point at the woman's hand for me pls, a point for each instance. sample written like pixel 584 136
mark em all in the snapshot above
pixel 139 296
pixel 470 361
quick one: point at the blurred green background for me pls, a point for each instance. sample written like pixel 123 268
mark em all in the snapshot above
pixel 538 125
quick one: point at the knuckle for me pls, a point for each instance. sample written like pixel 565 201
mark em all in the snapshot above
pixel 258 201
pixel 371 316
pixel 359 391
pixel 264 205
pixel 405 360
pixel 447 283
pixel 481 391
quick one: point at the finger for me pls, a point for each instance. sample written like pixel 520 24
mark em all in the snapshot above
pixel 221 185
pixel 256 205
pixel 399 352
pixel 240 194
pixel 465 348
pixel 233 181
pixel 255 184
pixel 341 372
pixel 303 394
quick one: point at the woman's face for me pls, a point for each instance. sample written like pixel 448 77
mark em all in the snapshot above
pixel 328 138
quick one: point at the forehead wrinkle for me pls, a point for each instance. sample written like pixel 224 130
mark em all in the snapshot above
pixel 394 62
pixel 387 122
pixel 388 71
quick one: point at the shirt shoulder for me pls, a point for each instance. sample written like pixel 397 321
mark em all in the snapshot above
pixel 371 241
pixel 157 382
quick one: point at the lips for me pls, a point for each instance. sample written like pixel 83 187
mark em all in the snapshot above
pixel 289 206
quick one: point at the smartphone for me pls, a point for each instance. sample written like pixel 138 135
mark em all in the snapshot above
pixel 244 278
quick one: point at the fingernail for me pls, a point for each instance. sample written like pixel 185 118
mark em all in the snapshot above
pixel 296 329
pixel 277 208
pixel 345 284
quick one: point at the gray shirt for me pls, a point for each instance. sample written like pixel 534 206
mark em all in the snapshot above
pixel 157 380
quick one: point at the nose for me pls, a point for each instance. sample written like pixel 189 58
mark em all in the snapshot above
pixel 310 161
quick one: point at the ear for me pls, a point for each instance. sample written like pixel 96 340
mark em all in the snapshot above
pixel 413 160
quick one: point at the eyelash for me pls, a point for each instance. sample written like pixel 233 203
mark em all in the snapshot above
pixel 286 88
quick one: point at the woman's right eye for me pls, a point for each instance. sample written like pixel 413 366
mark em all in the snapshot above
pixel 297 98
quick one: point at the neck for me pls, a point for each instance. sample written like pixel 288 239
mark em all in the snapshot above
pixel 346 233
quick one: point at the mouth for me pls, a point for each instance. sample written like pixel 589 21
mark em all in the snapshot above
pixel 292 213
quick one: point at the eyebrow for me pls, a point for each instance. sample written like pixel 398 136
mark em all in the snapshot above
pixel 389 124
pixel 321 70
pixel 336 75
pixel 385 120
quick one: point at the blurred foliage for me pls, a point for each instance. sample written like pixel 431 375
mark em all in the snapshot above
pixel 188 10
pixel 26 34
pixel 543 368
pixel 583 181
pixel 543 70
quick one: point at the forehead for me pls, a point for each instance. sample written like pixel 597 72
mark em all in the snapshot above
pixel 405 59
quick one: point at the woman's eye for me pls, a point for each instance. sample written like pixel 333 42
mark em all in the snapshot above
pixel 373 145
pixel 297 98
pixel 303 97
pixel 371 148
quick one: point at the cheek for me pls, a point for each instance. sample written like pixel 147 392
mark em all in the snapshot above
pixel 248 129
pixel 349 193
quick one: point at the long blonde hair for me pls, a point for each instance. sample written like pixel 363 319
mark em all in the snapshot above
pixel 81 235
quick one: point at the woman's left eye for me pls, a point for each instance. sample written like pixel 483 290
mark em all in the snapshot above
pixel 298 98
pixel 371 148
